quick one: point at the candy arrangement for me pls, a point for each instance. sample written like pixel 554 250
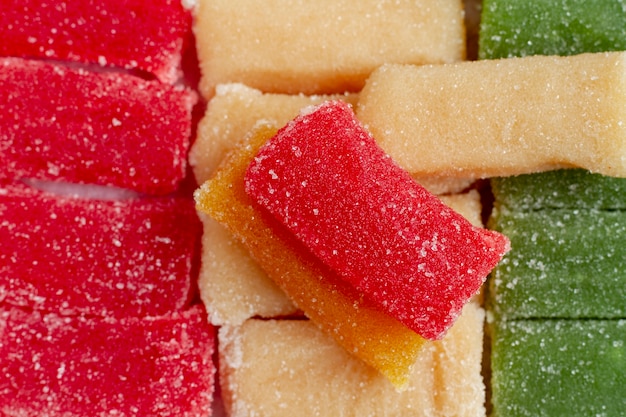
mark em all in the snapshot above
pixel 399 208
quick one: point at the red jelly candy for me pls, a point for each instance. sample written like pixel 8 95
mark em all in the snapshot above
pixel 59 123
pixel 327 180
pixel 57 366
pixel 74 255
pixel 133 34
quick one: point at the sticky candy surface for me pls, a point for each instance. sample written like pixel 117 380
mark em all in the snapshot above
pixel 538 27
pixel 84 256
pixel 374 337
pixel 130 34
pixel 327 181
pixel 563 264
pixel 559 368
pixel 86 366
pixel 60 123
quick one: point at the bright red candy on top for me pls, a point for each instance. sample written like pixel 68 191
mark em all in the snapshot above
pixel 133 34
pixel 131 257
pixel 62 123
pixel 327 180
pixel 79 366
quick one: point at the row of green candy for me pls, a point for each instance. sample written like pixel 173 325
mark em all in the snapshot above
pixel 558 300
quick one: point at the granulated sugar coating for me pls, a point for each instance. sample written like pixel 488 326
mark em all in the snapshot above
pixel 131 34
pixel 326 180
pixel 62 123
pixel 130 257
pixel 61 366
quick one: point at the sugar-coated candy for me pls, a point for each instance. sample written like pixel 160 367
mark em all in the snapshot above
pixel 324 177
pixel 560 189
pixel 73 255
pixel 501 117
pixel 62 123
pixel 131 34
pixel 341 312
pixel 289 367
pixel 558 368
pixel 563 264
pixel 75 366
pixel 538 27
pixel 322 47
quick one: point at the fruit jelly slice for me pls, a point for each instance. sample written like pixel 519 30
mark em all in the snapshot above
pixel 563 263
pixel 570 189
pixel 501 117
pixel 369 334
pixel 321 47
pixel 88 366
pixel 62 123
pixel 558 368
pixel 272 366
pixel 131 34
pixel 86 256
pixel 325 178
pixel 538 27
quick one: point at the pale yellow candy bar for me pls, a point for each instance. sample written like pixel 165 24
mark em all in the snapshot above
pixel 287 368
pixel 323 46
pixel 501 117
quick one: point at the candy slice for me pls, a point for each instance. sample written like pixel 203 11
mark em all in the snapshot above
pixel 326 180
pixel 55 366
pixel 84 256
pixel 562 189
pixel 501 117
pixel 59 123
pixel 271 367
pixel 321 47
pixel 559 368
pixel 132 34
pixel 366 332
pixel 538 27
pixel 564 264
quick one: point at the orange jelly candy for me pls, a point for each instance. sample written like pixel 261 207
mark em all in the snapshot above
pixel 371 335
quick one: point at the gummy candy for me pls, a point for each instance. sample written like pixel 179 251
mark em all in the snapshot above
pixel 324 177
pixel 73 255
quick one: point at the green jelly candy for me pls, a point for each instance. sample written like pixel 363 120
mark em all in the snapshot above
pixel 568 188
pixel 558 368
pixel 562 264
pixel 546 27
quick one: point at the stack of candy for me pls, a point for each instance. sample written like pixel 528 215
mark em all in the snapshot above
pixel 98 310
pixel 557 300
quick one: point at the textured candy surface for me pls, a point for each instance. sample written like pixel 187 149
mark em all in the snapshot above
pixel 374 337
pixel 560 189
pixel 326 180
pixel 57 366
pixel 85 256
pixel 538 27
pixel 559 368
pixel 563 263
pixel 131 34
pixel 60 123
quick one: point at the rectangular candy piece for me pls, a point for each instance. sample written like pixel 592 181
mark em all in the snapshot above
pixel 273 367
pixel 538 27
pixel 132 34
pixel 75 255
pixel 61 123
pixel 560 189
pixel 327 181
pixel 558 368
pixel 66 366
pixel 564 264
pixel 501 117
pixel 321 47
pixel 364 331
